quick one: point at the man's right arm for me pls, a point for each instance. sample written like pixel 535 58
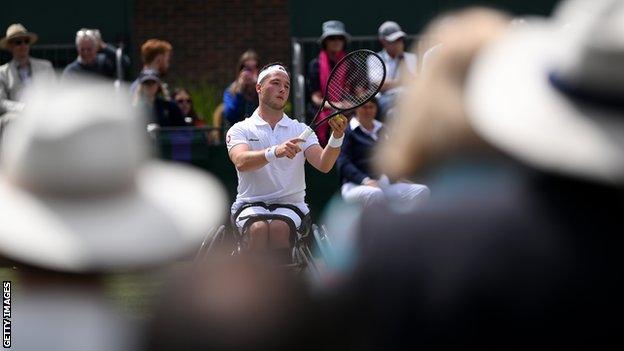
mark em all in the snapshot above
pixel 246 160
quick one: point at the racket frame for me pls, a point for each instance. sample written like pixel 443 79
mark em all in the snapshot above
pixel 313 124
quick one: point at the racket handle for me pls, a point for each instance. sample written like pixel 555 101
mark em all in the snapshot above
pixel 306 133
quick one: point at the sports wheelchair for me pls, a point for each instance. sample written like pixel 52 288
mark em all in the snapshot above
pixel 311 247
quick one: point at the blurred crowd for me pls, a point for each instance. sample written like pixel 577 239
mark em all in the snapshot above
pixel 98 58
pixel 516 125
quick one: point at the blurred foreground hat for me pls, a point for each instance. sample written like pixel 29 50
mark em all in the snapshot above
pixel 390 31
pixel 79 194
pixel 430 124
pixel 17 30
pixel 551 91
pixel 333 28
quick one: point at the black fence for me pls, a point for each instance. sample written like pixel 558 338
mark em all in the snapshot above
pixel 59 54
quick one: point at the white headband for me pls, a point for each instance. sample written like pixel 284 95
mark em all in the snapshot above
pixel 272 69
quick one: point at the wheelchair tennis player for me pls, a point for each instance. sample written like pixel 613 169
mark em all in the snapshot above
pixel 269 158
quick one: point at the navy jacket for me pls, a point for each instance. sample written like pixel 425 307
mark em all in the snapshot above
pixel 355 160
pixel 167 114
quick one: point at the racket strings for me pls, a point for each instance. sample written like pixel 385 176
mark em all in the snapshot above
pixel 355 80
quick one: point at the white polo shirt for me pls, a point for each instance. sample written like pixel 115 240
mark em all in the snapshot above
pixel 281 181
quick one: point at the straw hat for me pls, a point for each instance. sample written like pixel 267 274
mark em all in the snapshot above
pixel 17 30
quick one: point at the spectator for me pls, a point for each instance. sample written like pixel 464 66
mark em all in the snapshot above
pixel 164 113
pixel 182 98
pixel 156 57
pixel 94 56
pixel 79 200
pixel 240 99
pixel 360 183
pixel 333 42
pixel 22 70
pixel 398 64
pixel 524 249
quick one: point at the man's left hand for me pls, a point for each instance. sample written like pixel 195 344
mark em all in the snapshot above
pixel 338 125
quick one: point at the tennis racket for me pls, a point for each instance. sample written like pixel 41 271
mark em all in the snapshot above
pixel 355 79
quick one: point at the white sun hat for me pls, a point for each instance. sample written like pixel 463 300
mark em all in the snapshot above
pixel 78 192
pixel 551 91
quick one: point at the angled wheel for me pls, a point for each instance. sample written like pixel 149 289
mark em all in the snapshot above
pixel 322 241
pixel 214 239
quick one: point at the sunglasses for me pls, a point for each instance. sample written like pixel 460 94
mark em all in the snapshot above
pixel 20 42
pixel 334 37
pixel 183 101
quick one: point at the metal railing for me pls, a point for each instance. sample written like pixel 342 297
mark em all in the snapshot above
pixel 59 54
pixel 305 49
pixel 298 82
pixel 188 135
pixel 63 54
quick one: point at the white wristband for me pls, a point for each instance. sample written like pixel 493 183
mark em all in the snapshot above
pixel 365 180
pixel 269 154
pixel 335 143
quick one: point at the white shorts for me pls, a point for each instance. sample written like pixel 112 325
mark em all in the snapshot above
pixel 254 210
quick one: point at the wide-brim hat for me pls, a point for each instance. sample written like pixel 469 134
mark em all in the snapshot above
pixel 78 192
pixel 17 30
pixel 551 92
pixel 334 28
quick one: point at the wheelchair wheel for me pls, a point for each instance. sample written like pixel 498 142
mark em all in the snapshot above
pixel 322 241
pixel 214 239
pixel 305 261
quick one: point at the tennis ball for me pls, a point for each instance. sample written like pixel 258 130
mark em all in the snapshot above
pixel 337 118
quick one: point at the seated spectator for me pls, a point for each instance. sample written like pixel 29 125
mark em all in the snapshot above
pixel 182 98
pixel 398 64
pixel 156 57
pixel 240 99
pixel 360 183
pixel 162 112
pixel 333 42
pixel 22 70
pixel 94 56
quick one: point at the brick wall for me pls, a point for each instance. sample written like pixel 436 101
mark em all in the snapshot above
pixel 208 36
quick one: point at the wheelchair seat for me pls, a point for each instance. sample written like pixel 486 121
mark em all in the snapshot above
pixel 296 233
pixel 303 244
